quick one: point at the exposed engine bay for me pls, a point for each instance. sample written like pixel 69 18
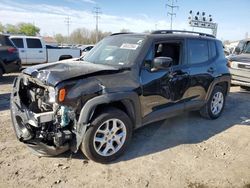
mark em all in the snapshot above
pixel 39 119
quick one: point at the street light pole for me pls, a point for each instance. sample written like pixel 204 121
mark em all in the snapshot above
pixel 201 21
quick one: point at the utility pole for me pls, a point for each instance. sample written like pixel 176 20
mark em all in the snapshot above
pixel 156 26
pixel 172 13
pixel 68 22
pixel 97 12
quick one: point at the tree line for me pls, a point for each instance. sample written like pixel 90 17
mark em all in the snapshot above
pixel 77 36
pixel 81 36
pixel 20 28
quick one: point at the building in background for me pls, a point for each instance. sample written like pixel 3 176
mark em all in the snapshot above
pixel 50 41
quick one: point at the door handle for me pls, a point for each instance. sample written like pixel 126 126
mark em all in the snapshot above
pixel 40 51
pixel 210 70
pixel 22 50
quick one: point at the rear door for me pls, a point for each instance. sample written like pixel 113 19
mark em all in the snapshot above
pixel 202 55
pixel 36 53
pixel 19 43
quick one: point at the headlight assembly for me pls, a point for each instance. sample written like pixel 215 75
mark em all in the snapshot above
pixel 52 95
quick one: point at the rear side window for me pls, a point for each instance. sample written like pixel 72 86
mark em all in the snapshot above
pixel 18 42
pixel 34 43
pixel 197 51
pixel 212 49
pixel 4 41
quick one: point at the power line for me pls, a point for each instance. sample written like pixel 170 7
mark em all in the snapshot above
pixel 172 13
pixel 68 22
pixel 97 12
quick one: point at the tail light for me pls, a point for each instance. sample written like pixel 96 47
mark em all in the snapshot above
pixel 12 50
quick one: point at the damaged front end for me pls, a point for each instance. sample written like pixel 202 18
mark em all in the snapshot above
pixel 40 122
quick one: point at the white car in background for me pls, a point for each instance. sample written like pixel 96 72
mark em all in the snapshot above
pixel 33 50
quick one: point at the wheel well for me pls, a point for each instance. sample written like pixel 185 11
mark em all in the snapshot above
pixel 117 104
pixel 224 85
pixel 63 57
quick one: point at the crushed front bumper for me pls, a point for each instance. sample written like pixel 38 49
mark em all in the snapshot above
pixel 25 121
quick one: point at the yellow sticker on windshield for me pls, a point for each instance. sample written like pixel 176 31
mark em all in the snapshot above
pixel 129 46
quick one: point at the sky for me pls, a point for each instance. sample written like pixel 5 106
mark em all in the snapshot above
pixel 135 15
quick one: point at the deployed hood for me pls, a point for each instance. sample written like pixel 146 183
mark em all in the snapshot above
pixel 53 73
pixel 244 58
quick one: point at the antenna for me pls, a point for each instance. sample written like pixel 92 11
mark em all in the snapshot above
pixel 172 13
pixel 97 12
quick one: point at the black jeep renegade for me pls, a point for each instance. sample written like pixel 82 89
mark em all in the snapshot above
pixel 126 81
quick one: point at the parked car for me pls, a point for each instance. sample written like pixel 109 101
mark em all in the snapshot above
pixel 240 66
pixel 33 50
pixel 9 58
pixel 85 49
pixel 125 82
pixel 241 46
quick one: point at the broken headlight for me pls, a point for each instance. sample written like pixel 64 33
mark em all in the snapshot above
pixel 52 95
pixel 43 75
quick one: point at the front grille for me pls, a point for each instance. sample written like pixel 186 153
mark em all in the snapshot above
pixel 244 66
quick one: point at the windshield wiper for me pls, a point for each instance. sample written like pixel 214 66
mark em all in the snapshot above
pixel 124 68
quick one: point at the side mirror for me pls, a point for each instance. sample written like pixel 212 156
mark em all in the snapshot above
pixel 162 62
pixel 237 50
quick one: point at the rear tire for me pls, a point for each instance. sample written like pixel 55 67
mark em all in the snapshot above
pixel 215 105
pixel 108 137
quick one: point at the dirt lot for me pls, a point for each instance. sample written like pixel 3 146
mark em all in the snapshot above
pixel 185 151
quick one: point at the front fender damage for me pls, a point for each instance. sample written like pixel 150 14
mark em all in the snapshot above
pixel 47 129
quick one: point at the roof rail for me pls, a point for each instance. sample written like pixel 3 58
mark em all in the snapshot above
pixel 121 33
pixel 181 31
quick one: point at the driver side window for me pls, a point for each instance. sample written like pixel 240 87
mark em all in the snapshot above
pixel 164 49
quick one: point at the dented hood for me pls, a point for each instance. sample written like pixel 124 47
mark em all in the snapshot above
pixel 53 73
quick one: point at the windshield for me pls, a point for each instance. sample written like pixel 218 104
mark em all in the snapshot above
pixel 119 50
pixel 247 48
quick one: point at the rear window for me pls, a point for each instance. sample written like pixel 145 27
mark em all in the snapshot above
pixel 18 42
pixel 5 41
pixel 34 43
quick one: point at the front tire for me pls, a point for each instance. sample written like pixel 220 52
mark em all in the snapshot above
pixel 108 137
pixel 215 104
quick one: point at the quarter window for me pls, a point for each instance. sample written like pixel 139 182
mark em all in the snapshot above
pixel 198 51
pixel 212 49
pixel 34 43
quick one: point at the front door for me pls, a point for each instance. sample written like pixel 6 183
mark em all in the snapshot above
pixel 162 89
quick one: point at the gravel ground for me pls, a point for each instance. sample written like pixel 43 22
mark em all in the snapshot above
pixel 184 151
